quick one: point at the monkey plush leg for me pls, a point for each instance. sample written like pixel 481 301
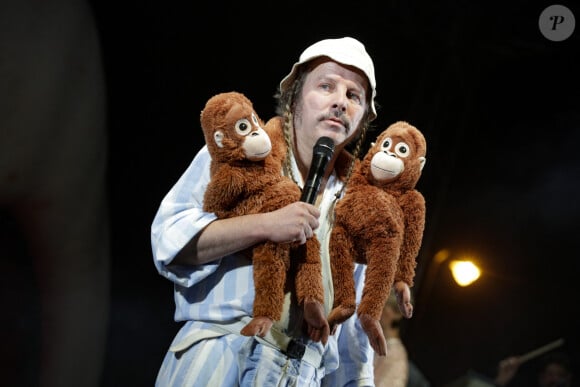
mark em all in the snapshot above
pixel 374 332
pixel 317 326
pixel 309 289
pixel 271 261
pixel 342 265
pixel 380 274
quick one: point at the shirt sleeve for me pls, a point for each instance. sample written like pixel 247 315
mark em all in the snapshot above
pixel 179 218
pixel 356 356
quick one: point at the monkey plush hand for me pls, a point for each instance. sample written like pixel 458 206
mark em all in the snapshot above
pixel 379 222
pixel 246 178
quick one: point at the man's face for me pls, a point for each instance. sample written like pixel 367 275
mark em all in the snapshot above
pixel 554 376
pixel 332 104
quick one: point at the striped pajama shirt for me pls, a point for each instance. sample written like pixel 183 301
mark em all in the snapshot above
pixel 207 296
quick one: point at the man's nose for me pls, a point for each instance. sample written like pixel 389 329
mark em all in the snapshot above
pixel 341 101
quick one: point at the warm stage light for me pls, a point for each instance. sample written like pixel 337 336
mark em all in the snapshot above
pixel 464 272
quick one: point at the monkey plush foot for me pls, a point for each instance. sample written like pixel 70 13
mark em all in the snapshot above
pixel 374 332
pixel 338 315
pixel 259 326
pixel 317 326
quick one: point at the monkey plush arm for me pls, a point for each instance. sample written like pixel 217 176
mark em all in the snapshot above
pixel 413 205
pixel 275 130
pixel 224 191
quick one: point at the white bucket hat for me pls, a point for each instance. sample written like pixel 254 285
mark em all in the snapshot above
pixel 347 51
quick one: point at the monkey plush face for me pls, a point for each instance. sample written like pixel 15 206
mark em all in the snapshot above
pixel 232 129
pixel 401 147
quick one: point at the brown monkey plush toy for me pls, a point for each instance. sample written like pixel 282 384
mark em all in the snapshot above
pixel 246 178
pixel 379 222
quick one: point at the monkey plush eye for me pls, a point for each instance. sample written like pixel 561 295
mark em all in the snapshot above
pixel 243 127
pixel 387 143
pixel 402 149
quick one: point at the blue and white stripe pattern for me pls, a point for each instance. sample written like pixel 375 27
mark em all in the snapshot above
pixel 223 291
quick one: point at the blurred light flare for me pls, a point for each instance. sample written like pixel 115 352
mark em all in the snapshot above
pixel 465 272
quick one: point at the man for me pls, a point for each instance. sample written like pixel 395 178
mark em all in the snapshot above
pixel 555 370
pixel 329 92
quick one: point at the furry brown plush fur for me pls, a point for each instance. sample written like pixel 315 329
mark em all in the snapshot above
pixel 379 222
pixel 246 178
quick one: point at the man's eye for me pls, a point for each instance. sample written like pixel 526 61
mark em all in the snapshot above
pixel 355 97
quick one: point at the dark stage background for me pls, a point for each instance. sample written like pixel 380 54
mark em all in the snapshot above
pixel 496 100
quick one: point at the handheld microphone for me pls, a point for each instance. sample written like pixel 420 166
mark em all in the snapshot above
pixel 321 155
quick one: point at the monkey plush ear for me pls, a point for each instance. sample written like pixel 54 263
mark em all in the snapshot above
pixel 422 160
pixel 218 137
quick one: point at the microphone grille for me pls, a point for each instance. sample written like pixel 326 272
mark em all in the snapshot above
pixel 324 145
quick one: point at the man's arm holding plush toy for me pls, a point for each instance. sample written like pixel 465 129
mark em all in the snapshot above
pixel 294 222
